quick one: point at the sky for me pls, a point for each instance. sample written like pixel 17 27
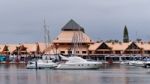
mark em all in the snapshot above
pixel 21 21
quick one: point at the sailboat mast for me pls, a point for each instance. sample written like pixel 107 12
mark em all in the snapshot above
pixel 45 34
pixel 48 37
pixel 77 41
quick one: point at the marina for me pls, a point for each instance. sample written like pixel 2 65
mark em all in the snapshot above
pixel 80 50
pixel 72 35
pixel 74 42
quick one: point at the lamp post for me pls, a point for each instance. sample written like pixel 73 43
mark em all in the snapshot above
pixel 17 60
pixel 56 46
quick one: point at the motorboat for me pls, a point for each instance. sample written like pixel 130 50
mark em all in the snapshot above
pixel 40 63
pixel 124 62
pixel 136 63
pixel 146 62
pixel 77 63
pixel 74 61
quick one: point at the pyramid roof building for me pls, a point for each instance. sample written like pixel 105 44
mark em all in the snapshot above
pixel 68 32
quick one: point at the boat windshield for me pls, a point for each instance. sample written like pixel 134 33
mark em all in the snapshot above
pixel 146 59
pixel 76 59
pixel 30 63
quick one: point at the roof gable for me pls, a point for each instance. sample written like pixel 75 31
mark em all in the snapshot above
pixel 5 48
pixel 133 46
pixel 103 46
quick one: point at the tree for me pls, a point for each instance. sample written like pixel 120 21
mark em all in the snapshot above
pixel 125 35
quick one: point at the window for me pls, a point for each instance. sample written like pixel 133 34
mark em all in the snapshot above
pixel 62 52
pixel 147 52
pixel 99 52
pixel 117 52
pixel 69 52
pixel 62 44
pixel 77 51
pixel 83 52
pixel 90 52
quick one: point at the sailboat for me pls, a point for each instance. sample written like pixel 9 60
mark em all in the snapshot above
pixel 46 61
pixel 73 61
pixel 40 64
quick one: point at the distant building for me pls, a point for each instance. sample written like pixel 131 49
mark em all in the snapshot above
pixel 71 34
pixel 63 44
pixel 22 49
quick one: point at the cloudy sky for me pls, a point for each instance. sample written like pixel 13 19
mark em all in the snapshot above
pixel 22 20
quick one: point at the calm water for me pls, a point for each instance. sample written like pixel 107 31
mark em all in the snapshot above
pixel 108 74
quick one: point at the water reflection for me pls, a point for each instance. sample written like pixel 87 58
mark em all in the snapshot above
pixel 108 74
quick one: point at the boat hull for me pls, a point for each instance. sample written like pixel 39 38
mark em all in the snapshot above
pixel 33 66
pixel 79 66
pixel 136 63
pixel 41 64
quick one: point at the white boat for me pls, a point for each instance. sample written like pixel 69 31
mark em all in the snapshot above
pixel 147 62
pixel 124 62
pixel 140 63
pixel 74 62
pixel 41 64
pixel 78 63
pixel 136 63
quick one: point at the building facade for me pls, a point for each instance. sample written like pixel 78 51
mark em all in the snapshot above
pixel 73 40
pixel 64 43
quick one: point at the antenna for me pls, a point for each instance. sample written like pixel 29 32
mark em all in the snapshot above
pixel 136 33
